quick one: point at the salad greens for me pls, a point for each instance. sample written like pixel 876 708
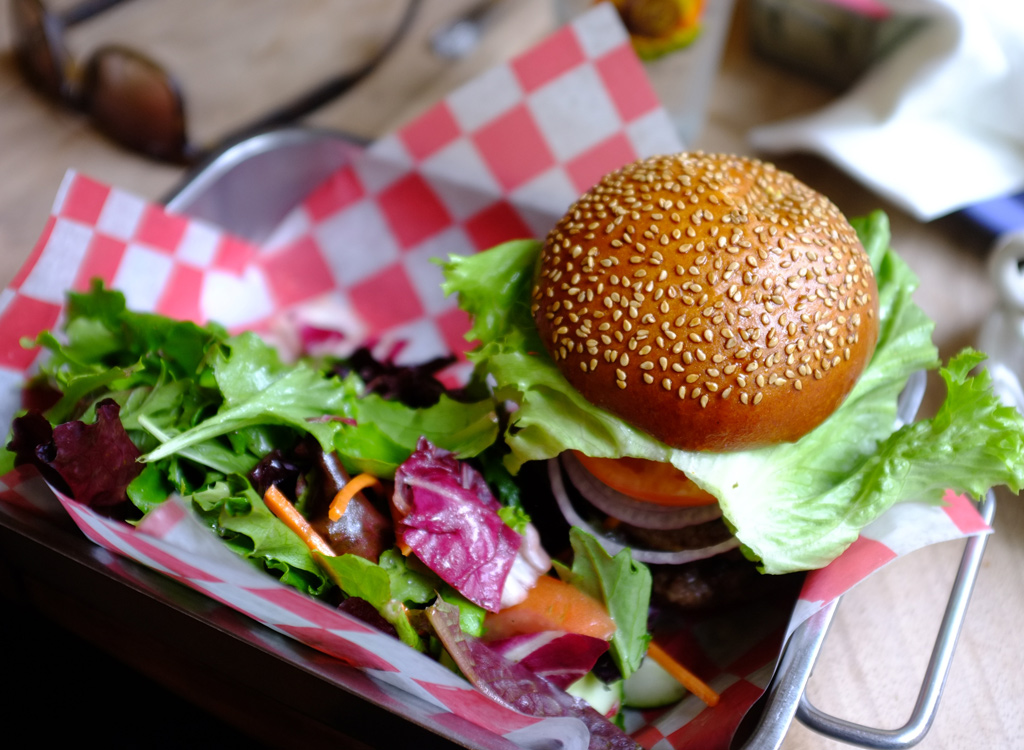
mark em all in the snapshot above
pixel 794 506
pixel 623 585
pixel 203 408
pixel 139 407
pixel 181 385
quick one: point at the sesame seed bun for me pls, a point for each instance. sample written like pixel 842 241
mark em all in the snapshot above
pixel 713 301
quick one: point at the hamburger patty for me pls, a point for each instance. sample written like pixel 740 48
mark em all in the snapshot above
pixel 717 581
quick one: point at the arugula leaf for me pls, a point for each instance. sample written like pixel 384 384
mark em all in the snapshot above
pixel 298 398
pixel 369 432
pixel 239 515
pixel 408 585
pixel 211 454
pixel 245 366
pixel 623 585
pixel 465 429
pixel 386 586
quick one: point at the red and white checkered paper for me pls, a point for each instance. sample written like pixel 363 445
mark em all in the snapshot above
pixel 500 158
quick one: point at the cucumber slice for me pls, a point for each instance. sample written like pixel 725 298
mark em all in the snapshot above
pixel 651 686
pixel 604 698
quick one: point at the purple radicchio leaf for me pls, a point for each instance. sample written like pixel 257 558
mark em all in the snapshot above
pixel 93 463
pixel 446 514
pixel 560 658
pixel 516 687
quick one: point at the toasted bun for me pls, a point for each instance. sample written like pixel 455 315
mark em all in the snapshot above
pixel 712 301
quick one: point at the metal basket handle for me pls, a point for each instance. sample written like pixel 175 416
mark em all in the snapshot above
pixel 938 665
pixel 786 697
pixel 1001 338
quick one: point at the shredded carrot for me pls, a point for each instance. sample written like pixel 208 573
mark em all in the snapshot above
pixel 283 509
pixel 686 678
pixel 352 488
pixel 552 604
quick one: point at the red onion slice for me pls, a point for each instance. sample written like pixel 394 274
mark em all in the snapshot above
pixel 634 512
pixel 612 547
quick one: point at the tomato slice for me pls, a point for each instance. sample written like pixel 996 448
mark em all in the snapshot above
pixel 652 481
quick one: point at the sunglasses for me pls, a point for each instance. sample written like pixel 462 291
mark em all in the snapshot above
pixel 130 98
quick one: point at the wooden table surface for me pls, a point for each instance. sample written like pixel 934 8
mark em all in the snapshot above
pixel 235 59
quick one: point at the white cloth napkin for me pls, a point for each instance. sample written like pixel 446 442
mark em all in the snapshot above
pixel 936 125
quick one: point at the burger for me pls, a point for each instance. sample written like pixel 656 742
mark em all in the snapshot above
pixel 715 303
pixel 709 356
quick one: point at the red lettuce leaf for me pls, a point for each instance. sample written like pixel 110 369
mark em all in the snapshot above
pixel 516 687
pixel 93 463
pixel 560 658
pixel 446 514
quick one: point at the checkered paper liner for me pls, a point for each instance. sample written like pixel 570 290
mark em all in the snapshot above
pixel 500 158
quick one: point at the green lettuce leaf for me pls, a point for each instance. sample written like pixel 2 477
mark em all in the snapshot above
pixel 793 506
pixel 370 433
pixel 623 585
pixel 243 521
pixel 299 398
pixel 386 586
pixel 387 432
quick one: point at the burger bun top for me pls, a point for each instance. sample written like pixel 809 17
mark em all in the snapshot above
pixel 712 301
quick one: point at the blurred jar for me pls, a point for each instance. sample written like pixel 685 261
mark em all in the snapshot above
pixel 680 43
pixel 831 41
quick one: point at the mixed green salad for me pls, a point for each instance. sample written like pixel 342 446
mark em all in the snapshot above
pixel 360 482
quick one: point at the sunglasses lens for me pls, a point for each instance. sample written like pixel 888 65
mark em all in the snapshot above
pixel 37 47
pixel 134 102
